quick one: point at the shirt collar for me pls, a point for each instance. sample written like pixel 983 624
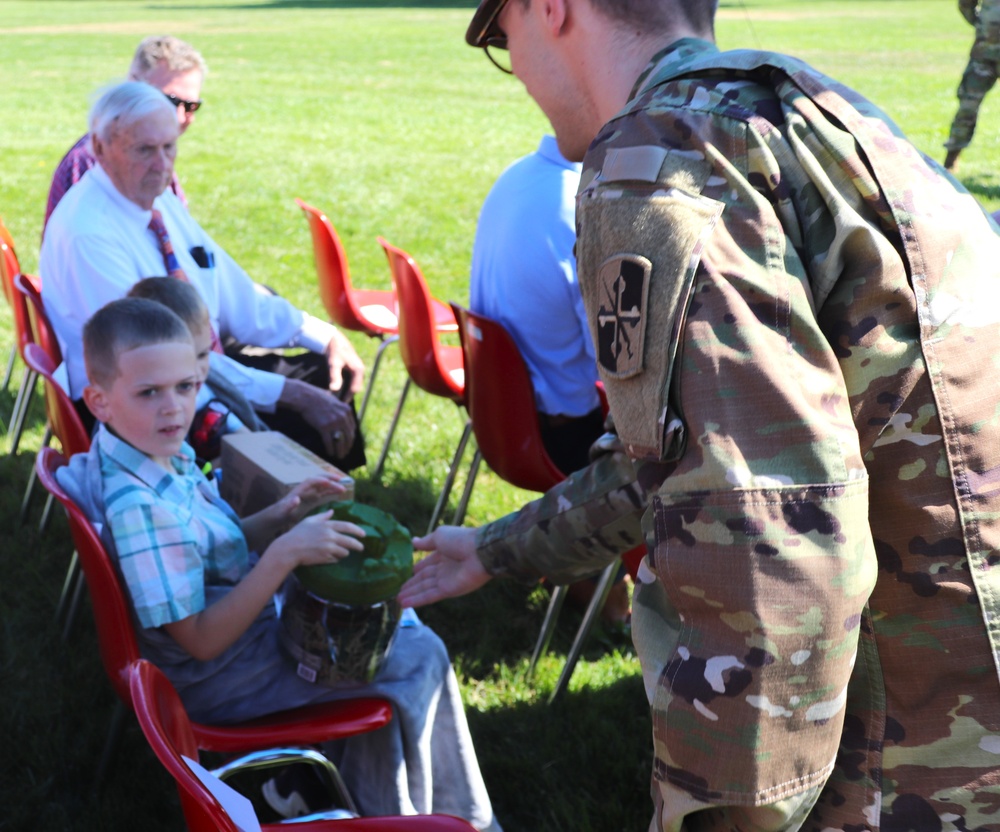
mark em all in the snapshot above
pixel 548 149
pixel 680 51
pixel 141 466
pixel 121 202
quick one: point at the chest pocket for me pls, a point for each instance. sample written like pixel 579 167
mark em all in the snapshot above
pixel 642 227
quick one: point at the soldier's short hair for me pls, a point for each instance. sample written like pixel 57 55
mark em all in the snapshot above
pixel 655 15
pixel 177 295
pixel 178 55
pixel 122 105
pixel 123 325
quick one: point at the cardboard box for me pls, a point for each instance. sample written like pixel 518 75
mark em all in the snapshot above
pixel 259 469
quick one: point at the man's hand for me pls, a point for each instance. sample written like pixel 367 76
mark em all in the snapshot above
pixel 340 355
pixel 451 569
pixel 332 418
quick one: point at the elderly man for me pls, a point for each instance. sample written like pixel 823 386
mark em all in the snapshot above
pixel 177 70
pixel 795 315
pixel 121 223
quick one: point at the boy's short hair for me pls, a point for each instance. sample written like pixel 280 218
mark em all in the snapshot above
pixel 124 325
pixel 177 295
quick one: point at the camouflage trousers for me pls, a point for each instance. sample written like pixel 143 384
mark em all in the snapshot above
pixel 978 79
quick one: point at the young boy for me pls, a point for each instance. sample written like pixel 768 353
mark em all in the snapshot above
pixel 204 605
pixel 217 392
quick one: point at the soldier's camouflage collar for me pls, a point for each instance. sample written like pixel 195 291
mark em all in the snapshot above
pixel 677 51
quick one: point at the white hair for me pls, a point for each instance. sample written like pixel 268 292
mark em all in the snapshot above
pixel 121 106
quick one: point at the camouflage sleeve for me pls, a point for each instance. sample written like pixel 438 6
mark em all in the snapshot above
pixel 574 530
pixel 969 10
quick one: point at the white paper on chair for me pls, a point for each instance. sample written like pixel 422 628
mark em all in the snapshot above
pixel 236 805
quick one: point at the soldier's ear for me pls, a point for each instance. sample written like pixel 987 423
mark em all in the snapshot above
pixel 555 14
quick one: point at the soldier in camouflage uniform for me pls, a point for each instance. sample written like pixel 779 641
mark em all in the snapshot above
pixel 980 73
pixel 796 317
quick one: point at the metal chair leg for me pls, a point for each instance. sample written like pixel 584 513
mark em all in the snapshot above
pixel 43 522
pixel 21 405
pixel 68 584
pixel 449 481
pixel 74 605
pixel 392 429
pixel 548 626
pixel 463 503
pixel 371 376
pixel 593 609
pixel 10 368
pixel 111 744
pixel 32 477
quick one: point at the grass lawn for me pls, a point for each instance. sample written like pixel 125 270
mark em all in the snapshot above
pixel 381 116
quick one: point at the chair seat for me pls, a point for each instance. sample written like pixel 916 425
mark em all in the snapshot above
pixel 377 308
pixel 320 723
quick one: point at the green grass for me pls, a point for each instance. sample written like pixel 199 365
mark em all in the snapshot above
pixel 380 115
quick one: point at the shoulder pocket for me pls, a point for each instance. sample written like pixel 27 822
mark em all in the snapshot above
pixel 637 254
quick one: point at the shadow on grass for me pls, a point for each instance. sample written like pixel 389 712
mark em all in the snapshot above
pixel 983 187
pixel 597 739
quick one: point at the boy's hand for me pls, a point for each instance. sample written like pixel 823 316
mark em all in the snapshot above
pixel 452 568
pixel 319 539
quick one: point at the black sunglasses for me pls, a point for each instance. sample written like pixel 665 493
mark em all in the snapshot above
pixel 189 106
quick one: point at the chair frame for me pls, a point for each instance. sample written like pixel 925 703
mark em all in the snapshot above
pixel 9 268
pixel 48 355
pixel 344 304
pixel 498 385
pixel 20 288
pixel 430 365
pixel 169 733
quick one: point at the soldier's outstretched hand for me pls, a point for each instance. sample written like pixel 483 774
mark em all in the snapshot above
pixel 451 569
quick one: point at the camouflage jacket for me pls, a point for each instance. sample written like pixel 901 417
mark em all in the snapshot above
pixel 980 13
pixel 796 316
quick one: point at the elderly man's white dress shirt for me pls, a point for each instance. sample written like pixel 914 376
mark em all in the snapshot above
pixel 98 244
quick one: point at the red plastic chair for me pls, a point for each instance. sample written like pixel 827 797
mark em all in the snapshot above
pixel 9 268
pixel 500 398
pixel 119 649
pixel 169 732
pixel 66 427
pixel 22 335
pixel 39 332
pixel 435 367
pixel 371 311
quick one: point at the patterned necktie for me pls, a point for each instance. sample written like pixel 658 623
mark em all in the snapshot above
pixel 159 228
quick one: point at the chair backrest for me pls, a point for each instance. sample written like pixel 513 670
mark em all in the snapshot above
pixel 115 628
pixel 63 417
pixel 18 303
pixel 29 288
pixel 500 399
pixel 418 337
pixel 168 729
pixel 9 266
pixel 333 274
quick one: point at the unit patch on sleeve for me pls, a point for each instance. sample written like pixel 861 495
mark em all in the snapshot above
pixel 623 283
